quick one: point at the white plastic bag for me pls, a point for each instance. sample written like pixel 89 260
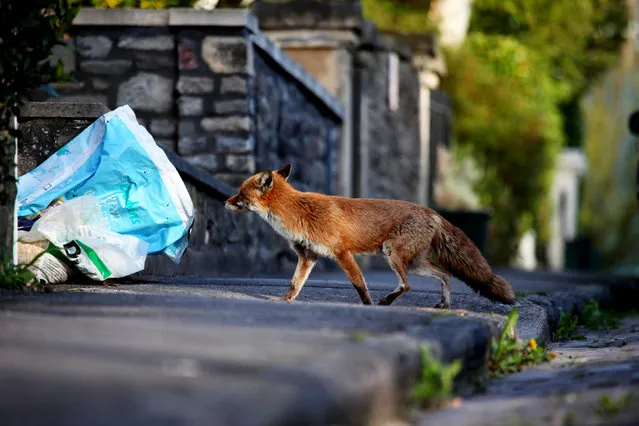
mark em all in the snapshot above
pixel 117 160
pixel 78 228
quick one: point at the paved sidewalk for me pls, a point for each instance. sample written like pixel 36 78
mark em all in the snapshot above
pixel 123 358
pixel 591 382
pixel 533 294
pixel 202 350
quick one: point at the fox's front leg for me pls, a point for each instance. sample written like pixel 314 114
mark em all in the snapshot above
pixel 348 264
pixel 305 263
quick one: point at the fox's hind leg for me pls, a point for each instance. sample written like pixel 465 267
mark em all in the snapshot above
pixel 426 268
pixel 398 259
pixel 402 249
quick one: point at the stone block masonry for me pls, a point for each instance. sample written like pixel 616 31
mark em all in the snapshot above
pixel 391 133
pixel 225 102
pixel 386 138
pixel 212 88
pixel 220 243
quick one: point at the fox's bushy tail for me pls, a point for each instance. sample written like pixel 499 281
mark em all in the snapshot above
pixel 454 251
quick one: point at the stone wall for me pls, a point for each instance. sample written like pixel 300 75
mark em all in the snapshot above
pixel 384 151
pixel 220 243
pixel 46 127
pixel 291 130
pixel 134 66
pixel 211 87
pixel 392 134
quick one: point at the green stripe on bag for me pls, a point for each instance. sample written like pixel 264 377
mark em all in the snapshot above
pixel 93 256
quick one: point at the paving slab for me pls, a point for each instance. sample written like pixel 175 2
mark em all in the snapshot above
pixel 538 312
pixel 120 357
pixel 193 350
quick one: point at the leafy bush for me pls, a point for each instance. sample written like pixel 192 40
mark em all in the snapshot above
pixel 507 120
pixel 27 39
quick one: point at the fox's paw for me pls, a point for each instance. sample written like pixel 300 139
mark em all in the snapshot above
pixel 286 299
pixel 441 306
pixel 384 301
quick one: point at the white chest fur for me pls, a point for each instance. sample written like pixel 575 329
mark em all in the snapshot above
pixel 294 237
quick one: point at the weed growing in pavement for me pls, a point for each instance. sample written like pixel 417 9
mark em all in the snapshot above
pixel 566 327
pixel 435 386
pixel 18 277
pixel 358 336
pixel 596 319
pixel 510 355
pixel 610 406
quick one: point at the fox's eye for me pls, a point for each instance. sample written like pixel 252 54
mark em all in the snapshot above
pixel 241 201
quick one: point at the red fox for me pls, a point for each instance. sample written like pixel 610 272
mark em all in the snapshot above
pixel 407 234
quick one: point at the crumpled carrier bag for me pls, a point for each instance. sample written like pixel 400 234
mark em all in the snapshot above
pixel 125 179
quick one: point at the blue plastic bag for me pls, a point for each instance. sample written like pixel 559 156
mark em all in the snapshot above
pixel 115 159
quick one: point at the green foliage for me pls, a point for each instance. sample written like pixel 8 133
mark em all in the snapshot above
pixel 14 277
pixel 404 16
pixel 142 4
pixel 608 211
pixel 514 85
pixel 592 317
pixel 507 120
pixel 580 38
pixel 610 406
pixel 435 386
pixel 510 355
pixel 596 319
pixel 17 277
pixel 566 327
pixel 358 336
pixel 27 39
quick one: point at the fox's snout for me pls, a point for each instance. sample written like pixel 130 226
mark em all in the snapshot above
pixel 233 205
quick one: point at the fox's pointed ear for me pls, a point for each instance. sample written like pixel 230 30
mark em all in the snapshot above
pixel 285 171
pixel 265 181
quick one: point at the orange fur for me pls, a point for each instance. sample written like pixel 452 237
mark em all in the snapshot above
pixel 407 234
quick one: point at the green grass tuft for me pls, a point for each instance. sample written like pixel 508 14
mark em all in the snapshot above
pixel 435 386
pixel 596 319
pixel 566 327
